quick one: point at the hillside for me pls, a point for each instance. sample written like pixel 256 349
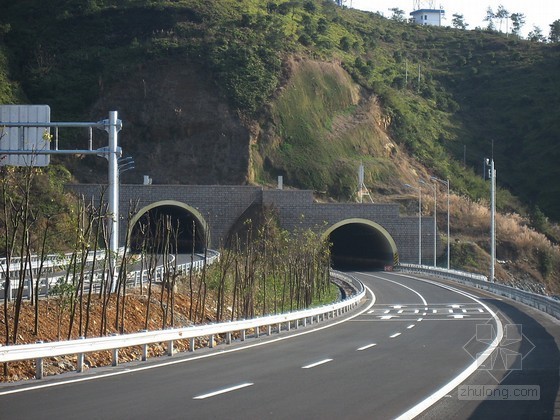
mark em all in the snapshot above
pixel 235 92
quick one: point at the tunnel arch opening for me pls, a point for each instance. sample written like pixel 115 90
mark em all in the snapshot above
pixel 192 229
pixel 361 244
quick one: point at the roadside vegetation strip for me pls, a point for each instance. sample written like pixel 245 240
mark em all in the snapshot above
pixel 54 349
pixel 190 359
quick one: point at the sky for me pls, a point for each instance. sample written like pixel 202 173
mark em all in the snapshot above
pixel 539 13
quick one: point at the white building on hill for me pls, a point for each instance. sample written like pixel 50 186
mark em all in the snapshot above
pixel 428 16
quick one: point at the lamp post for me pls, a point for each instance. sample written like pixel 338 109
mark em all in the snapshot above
pixel 446 182
pixel 419 221
pixel 435 219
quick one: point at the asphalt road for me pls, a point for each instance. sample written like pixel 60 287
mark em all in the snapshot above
pixel 409 345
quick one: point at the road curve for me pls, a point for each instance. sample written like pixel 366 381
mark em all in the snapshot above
pixel 408 341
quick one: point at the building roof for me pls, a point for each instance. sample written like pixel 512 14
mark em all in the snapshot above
pixel 427 11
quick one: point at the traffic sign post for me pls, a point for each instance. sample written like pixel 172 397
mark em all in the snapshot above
pixel 17 150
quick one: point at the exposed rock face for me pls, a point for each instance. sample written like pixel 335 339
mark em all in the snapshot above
pixel 177 128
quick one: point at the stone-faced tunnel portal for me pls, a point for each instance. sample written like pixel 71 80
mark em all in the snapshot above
pixel 360 244
pixel 190 226
pixel 371 235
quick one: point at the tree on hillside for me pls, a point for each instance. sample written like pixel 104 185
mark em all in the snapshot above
pixel 554 35
pixel 459 21
pixel 502 14
pixel 518 20
pixel 490 16
pixel 398 14
pixel 536 35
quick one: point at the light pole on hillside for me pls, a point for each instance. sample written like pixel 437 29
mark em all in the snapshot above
pixel 435 219
pixel 419 221
pixel 446 182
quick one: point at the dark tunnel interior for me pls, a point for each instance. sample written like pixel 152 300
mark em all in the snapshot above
pixel 184 222
pixel 359 246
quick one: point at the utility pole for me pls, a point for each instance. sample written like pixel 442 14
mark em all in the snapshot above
pixel 493 224
pixel 490 173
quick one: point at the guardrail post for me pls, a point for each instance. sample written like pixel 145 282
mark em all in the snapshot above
pixel 115 354
pixel 297 323
pixel 191 344
pixel 288 326
pixel 144 349
pixel 170 348
pixel 305 322
pixel 269 329
pixel 242 335
pixel 279 327
pixel 39 365
pixel 115 357
pixel 257 332
pixel 228 337
pixel 211 341
pixel 80 364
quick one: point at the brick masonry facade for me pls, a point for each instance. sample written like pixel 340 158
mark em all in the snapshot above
pixel 222 207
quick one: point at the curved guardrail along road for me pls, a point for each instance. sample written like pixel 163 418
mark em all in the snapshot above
pixel 416 347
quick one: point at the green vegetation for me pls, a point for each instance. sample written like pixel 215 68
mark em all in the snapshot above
pixel 446 90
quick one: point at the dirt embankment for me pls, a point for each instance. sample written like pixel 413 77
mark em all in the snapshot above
pixel 135 316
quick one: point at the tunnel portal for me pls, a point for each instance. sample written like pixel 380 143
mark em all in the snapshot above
pixel 187 222
pixel 361 244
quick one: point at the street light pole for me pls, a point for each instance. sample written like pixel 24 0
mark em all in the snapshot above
pixel 435 220
pixel 446 182
pixel 419 221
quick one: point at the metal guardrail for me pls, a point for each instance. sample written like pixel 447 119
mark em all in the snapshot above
pixel 39 351
pixel 543 303
pixel 50 261
pixel 133 277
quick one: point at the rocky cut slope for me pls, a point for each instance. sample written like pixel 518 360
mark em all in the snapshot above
pixel 177 127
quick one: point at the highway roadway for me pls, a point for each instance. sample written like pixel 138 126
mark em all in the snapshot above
pixel 405 352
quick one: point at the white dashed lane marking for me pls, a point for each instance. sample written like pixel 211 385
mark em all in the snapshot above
pixel 320 362
pixel 222 391
pixel 368 346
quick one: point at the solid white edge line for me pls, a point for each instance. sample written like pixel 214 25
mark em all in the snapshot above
pixel 455 382
pixel 185 360
pixel 222 391
pixel 397 283
pixel 320 362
